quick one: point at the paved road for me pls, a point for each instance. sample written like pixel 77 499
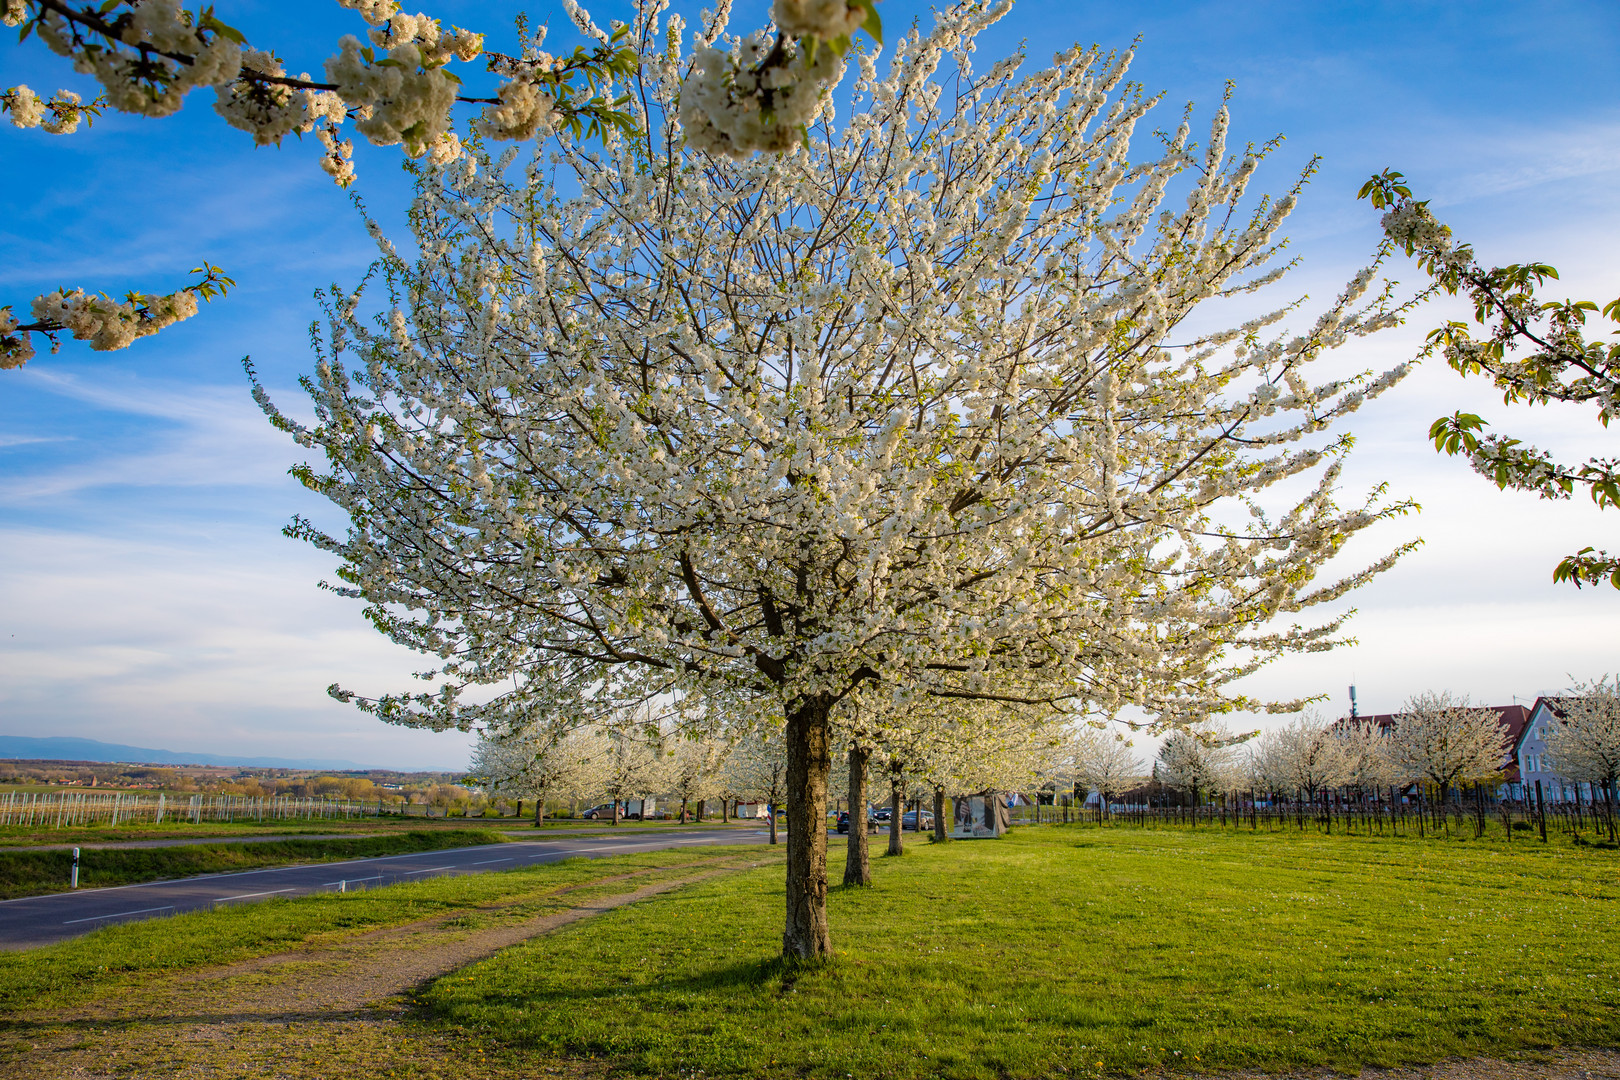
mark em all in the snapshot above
pixel 42 920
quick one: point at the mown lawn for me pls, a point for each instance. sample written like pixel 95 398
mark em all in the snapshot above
pixel 1061 951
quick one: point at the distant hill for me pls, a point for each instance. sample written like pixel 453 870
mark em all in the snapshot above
pixel 63 749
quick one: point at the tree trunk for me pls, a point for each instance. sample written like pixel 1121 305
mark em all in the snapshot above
pixel 897 813
pixel 770 816
pixel 939 814
pixel 809 760
pixel 701 808
pixel 683 811
pixel 725 811
pixel 539 810
pixel 857 856
pixel 615 811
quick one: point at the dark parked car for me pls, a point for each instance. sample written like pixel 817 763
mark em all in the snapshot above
pixel 909 822
pixel 602 812
pixel 880 815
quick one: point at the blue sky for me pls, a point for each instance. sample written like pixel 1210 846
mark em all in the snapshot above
pixel 147 596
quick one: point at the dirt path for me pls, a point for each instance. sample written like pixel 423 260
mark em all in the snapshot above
pixel 312 1013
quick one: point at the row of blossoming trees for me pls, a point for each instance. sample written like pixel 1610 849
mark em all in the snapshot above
pixel 1436 743
pixel 898 436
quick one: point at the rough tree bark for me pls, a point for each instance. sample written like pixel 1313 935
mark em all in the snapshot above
pixel 809 761
pixel 897 812
pixel 539 810
pixel 700 803
pixel 939 814
pixel 857 857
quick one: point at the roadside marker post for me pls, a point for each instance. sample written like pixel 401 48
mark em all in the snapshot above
pixel 75 883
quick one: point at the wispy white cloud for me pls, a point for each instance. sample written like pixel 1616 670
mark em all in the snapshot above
pixel 29 440
pixel 206 436
pixel 217 643
pixel 1523 157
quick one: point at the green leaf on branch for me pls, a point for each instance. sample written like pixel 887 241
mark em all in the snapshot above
pixel 1585 568
pixel 1454 434
pixel 1384 188
pixel 874 22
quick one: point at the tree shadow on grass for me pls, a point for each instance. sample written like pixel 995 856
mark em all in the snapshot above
pixel 774 975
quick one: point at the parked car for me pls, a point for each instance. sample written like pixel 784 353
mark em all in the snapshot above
pixel 909 821
pixel 880 815
pixel 601 812
pixel 843 821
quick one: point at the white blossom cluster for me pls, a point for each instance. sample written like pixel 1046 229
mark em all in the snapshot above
pixel 139 78
pixel 1410 222
pixel 164 51
pixel 13 12
pixel 270 112
pixel 109 324
pixel 525 112
pixel 59 115
pixel 16 348
pixel 734 104
pixel 408 100
pixel 824 19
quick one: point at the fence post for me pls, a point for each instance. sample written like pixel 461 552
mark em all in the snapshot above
pixel 1541 812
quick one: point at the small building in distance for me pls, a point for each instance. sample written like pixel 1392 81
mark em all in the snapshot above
pixel 1530 752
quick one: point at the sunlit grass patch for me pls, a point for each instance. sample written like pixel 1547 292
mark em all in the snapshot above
pixel 1060 951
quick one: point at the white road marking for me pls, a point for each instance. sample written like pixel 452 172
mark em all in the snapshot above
pixel 486 862
pixel 246 895
pixel 429 870
pixel 120 915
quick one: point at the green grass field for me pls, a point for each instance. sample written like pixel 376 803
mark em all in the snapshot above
pixel 31 873
pixel 1064 951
